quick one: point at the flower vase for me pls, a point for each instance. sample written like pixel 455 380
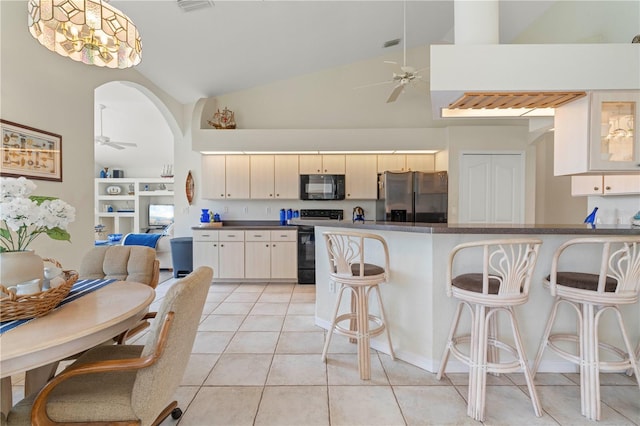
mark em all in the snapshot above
pixel 205 217
pixel 20 266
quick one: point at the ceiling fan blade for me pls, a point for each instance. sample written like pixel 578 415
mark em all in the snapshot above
pixel 395 93
pixel 113 145
pixel 124 143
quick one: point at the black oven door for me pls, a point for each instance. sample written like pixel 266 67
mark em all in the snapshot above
pixel 306 255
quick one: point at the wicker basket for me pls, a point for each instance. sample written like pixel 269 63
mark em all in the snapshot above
pixel 13 307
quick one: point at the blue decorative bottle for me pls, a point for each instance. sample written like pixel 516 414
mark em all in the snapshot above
pixel 283 217
pixel 205 217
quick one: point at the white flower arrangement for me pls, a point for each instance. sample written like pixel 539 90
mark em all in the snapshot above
pixel 24 216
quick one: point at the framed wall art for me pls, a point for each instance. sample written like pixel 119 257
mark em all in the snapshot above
pixel 29 152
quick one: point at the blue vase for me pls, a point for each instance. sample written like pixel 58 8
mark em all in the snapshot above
pixel 205 217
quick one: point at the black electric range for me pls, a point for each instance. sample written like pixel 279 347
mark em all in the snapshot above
pixel 307 242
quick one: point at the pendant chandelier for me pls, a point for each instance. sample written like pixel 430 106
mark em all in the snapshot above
pixel 88 31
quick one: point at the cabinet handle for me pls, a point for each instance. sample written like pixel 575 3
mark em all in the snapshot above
pixel 595 188
pixel 608 188
pixel 222 195
pixel 221 245
pixel 215 245
pixel 270 195
pixel 274 245
pixel 228 195
pixel 266 245
pixel 257 235
pixel 231 235
pixel 277 195
pixel 206 235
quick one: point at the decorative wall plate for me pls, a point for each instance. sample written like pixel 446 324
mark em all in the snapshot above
pixel 189 187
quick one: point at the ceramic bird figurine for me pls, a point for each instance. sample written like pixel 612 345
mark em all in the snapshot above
pixel 591 219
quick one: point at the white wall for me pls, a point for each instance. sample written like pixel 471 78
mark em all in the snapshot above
pixel 46 91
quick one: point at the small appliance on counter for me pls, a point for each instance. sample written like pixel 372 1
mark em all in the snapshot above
pixel 412 197
pixel 358 214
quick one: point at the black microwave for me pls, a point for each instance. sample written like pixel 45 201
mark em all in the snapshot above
pixel 322 187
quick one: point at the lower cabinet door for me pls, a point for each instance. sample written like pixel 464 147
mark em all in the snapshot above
pixel 284 260
pixel 231 259
pixel 257 259
pixel 205 253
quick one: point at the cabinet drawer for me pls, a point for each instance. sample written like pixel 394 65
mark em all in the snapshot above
pixel 231 235
pixel 256 235
pixel 283 236
pixel 205 235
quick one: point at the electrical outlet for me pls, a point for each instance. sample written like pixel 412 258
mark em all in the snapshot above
pixel 226 209
pixel 246 210
pixel 268 210
pixel 332 286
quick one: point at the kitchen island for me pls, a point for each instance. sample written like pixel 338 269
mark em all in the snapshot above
pixel 417 307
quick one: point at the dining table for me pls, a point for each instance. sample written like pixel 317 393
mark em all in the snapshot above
pixel 37 345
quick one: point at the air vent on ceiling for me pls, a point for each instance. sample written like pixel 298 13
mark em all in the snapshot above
pixel 503 100
pixel 190 5
pixel 393 42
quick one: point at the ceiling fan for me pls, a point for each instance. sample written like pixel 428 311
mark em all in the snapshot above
pixel 106 140
pixel 408 74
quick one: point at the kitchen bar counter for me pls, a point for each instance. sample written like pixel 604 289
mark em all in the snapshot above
pixel 416 304
pixel 444 228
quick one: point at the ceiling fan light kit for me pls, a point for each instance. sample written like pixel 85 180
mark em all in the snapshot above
pixel 88 31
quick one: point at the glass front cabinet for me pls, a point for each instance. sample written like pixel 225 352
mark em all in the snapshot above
pixel 614 141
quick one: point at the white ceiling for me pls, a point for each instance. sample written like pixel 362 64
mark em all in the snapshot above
pixel 236 45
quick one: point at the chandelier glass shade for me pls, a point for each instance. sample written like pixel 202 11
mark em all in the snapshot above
pixel 88 31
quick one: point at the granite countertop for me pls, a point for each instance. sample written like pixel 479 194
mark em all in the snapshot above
pixel 444 228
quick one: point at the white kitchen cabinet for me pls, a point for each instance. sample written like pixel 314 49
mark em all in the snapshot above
pixel 406 163
pixel 237 177
pixel 605 185
pixel 597 133
pixel 213 184
pixel 206 250
pixel 284 255
pixel 286 177
pixel 222 250
pixel 321 164
pixel 129 206
pixel 274 176
pixel 257 250
pixel 225 177
pixel 231 254
pixel 421 162
pixel 361 177
pixel 262 177
pixel 391 162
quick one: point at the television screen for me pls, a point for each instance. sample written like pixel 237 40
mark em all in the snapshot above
pixel 160 215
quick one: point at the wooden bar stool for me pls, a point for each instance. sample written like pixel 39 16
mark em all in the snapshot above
pixel 348 269
pixel 612 282
pixel 507 266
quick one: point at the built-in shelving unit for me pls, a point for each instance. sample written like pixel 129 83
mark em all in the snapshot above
pixel 126 210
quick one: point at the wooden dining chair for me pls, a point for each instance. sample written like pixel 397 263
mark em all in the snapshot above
pixel 126 384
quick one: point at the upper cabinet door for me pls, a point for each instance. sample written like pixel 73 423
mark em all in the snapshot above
pixel 262 177
pixel 287 179
pixel 310 164
pixel 213 177
pixel 237 177
pixel 333 164
pixel 421 162
pixel 361 177
pixel 391 162
pixel 615 144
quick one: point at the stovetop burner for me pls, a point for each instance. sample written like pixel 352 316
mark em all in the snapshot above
pixel 321 214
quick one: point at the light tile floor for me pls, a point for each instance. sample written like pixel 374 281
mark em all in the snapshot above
pixel 256 361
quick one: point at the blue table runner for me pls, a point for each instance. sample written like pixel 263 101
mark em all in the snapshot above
pixel 79 289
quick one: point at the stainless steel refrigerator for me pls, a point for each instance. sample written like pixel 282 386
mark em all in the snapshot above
pixel 412 197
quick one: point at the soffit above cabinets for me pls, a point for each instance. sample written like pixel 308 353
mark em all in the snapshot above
pixel 502 100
